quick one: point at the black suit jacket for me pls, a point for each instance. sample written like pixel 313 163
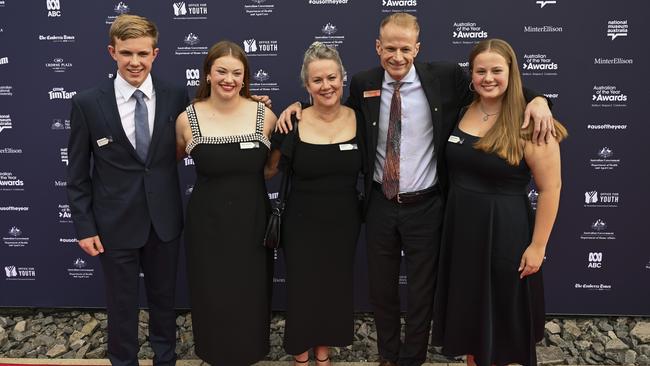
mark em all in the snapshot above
pixel 111 191
pixel 446 87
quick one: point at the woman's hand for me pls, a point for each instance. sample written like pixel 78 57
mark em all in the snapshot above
pixel 531 260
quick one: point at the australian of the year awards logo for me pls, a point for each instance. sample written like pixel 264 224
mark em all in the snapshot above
pixel 80 269
pixel 60 124
pixel 10 182
pixel 15 238
pixel 605 159
pixel 467 33
pixel 190 10
pixel 17 273
pixel 259 8
pixel 60 93
pixel 53 8
pixel 598 230
pixel 601 199
pixel 544 3
pixel 608 96
pixel 394 6
pixel 192 46
pixel 257 47
pixel 65 216
pixel 617 28
pixel 5 122
pixel 58 64
pixel 538 64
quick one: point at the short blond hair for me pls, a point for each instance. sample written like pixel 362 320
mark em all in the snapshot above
pixel 128 26
pixel 403 20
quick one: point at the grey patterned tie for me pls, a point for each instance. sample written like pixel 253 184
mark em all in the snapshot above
pixel 142 136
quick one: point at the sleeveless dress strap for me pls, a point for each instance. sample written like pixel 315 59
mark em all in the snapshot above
pixel 259 118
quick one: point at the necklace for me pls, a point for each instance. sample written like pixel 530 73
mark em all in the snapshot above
pixel 486 114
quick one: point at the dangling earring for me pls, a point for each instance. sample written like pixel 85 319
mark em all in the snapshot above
pixel 471 86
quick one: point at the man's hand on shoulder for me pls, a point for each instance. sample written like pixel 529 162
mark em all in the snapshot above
pixel 92 245
pixel 283 123
pixel 542 117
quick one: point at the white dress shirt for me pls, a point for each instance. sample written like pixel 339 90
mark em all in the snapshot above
pixel 126 104
pixel 417 163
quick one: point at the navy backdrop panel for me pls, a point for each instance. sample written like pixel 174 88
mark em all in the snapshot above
pixel 585 56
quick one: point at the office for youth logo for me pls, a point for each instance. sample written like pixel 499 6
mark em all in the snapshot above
pixel 255 47
pixel 190 10
pixel 601 199
pixel 13 272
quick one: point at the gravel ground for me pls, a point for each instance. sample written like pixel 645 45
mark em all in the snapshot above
pixel 66 333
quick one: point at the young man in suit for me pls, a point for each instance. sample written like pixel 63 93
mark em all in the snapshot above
pixel 409 110
pixel 124 192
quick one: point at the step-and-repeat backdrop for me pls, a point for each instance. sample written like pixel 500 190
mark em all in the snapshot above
pixel 588 57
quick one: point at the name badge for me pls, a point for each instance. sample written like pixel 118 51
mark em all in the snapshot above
pixel 249 145
pixel 347 147
pixel 371 93
pixel 104 141
pixel 455 139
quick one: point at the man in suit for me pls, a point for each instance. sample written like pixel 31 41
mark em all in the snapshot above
pixel 124 192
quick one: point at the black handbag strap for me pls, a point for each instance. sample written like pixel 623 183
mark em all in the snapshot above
pixel 288 168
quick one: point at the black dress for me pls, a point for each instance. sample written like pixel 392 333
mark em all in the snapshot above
pixel 320 232
pixel 481 306
pixel 228 268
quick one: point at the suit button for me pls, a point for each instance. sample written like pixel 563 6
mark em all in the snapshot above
pixel 374 123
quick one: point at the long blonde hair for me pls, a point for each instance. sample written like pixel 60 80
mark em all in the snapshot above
pixel 505 137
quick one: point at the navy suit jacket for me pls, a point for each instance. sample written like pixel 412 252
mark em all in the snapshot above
pixel 111 191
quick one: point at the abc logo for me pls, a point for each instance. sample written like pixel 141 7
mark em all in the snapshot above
pixel 192 76
pixel 595 260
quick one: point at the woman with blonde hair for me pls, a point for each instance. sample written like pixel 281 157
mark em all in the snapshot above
pixel 322 218
pixel 489 302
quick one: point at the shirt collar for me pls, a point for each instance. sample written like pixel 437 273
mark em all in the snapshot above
pixel 410 76
pixel 126 90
